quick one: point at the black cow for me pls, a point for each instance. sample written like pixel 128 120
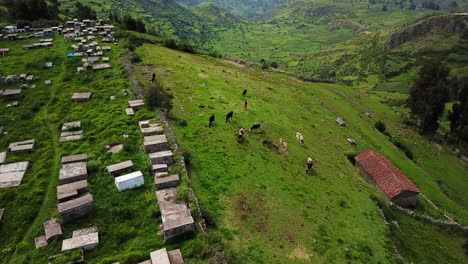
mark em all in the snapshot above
pixel 256 126
pixel 212 119
pixel 245 92
pixel 229 116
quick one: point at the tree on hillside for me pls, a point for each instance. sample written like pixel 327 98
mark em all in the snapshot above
pixel 32 10
pixel 458 117
pixel 84 12
pixel 429 95
pixel 133 24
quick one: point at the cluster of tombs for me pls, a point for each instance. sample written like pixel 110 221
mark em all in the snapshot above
pixel 176 217
pixel 24 82
pixel 11 174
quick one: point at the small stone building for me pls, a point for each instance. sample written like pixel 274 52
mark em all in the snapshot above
pixel 388 179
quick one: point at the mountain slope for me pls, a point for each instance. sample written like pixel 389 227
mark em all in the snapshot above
pixel 240 8
pixel 258 195
pixel 170 19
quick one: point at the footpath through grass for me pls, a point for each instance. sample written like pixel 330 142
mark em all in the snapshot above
pixel 258 195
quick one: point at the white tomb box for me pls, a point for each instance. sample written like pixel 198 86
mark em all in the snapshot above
pixel 129 181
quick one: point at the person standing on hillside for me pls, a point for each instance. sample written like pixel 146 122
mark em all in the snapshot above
pixel 245 92
pixel 212 119
pixel 245 104
pixel 153 77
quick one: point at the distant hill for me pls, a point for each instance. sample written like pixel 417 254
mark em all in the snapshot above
pixel 240 8
pixel 168 18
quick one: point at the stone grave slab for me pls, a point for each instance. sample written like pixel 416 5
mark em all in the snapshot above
pixel 22 146
pixel 71 191
pixel 129 111
pixel 52 230
pixel 117 169
pixel 85 231
pixel 2 157
pixel 74 158
pixel 135 104
pixel 115 149
pixel 160 256
pixel 175 256
pixel 167 181
pixel 40 241
pixel 86 242
pixel 155 143
pixel 11 174
pixel 101 66
pixel 161 157
pixel 77 208
pixel 73 172
pixel 81 97
pixel 159 168
pixel 71 125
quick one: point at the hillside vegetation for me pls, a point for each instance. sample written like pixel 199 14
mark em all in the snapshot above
pixel 259 196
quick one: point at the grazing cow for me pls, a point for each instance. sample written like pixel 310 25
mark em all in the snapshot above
pixel 300 138
pixel 212 119
pixel 201 106
pixel 153 77
pixel 256 126
pixel 284 144
pixel 241 134
pixel 244 93
pixel 310 163
pixel 229 116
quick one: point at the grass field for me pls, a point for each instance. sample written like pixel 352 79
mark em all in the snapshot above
pixel 258 195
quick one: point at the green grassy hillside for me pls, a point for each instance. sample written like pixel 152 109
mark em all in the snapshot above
pixel 259 196
pixel 240 8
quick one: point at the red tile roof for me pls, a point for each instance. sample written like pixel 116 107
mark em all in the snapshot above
pixel 388 178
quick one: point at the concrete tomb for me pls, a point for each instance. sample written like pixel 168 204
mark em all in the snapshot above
pixel 47 82
pixel 155 143
pixel 74 158
pixel 40 241
pixel 129 112
pixel 86 242
pixel 175 256
pixel 160 256
pixel 340 121
pixel 49 65
pixel 70 191
pixel 129 181
pixel 148 128
pixel 11 174
pixel 53 230
pixel 102 66
pixel 73 172
pixel 22 146
pixel 77 208
pixel 81 97
pixel 2 157
pixel 85 231
pixel 136 104
pixel 117 169
pixel 167 181
pixel 159 168
pixel 115 149
pixel 161 157
pixel 4 51
pixel 12 94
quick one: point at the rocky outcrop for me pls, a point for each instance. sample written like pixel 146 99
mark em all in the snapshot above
pixel 453 23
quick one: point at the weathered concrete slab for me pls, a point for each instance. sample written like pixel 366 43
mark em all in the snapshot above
pixel 155 143
pixel 52 230
pixel 118 168
pixel 40 241
pixel 129 181
pixel 129 111
pixel 102 66
pixel 74 158
pixel 146 262
pixel 77 208
pixel 71 125
pixel 340 121
pixel 12 94
pixel 22 146
pixel 81 97
pixel 175 256
pixel 73 172
pixel 11 174
pixel 177 224
pixel 71 191
pixel 152 130
pixel 47 82
pixel 135 104
pixel 167 181
pixel 70 138
pixel 115 149
pixel 160 256
pixel 86 242
pixel 159 168
pixel 168 194
pixel 161 157
pixel 2 157
pixel 85 231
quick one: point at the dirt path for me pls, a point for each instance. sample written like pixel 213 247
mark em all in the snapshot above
pixel 127 63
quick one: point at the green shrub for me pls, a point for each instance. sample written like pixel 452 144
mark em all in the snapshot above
pixel 156 96
pixel 380 125
pixel 403 147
